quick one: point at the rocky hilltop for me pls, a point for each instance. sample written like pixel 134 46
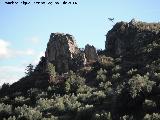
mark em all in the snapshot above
pixel 61 45
pixel 62 51
pixel 121 82
pixel 125 38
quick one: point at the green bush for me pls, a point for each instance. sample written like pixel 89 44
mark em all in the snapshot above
pixel 101 75
pixel 127 117
pixel 132 71
pixel 11 118
pixel 5 110
pixel 138 84
pixel 97 97
pixel 28 113
pixel 115 76
pixel 85 112
pixel 66 103
pixel 116 68
pixel 51 71
pixel 73 83
pixel 71 103
pixel 102 116
pixel 83 97
pixel 44 103
pixel 149 104
pixel 84 89
pixel 106 86
pixel 20 100
pixel 56 89
pixel 154 116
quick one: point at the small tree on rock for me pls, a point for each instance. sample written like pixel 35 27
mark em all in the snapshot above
pixel 51 71
pixel 29 70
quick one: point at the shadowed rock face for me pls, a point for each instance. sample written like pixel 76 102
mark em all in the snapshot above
pixel 131 38
pixel 60 50
pixel 90 53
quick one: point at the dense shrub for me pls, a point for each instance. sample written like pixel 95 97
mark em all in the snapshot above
pixel 138 84
pixel 101 75
pixel 102 116
pixel 73 83
pixel 44 103
pixel 154 116
pixel 51 71
pixel 67 103
pixel 106 86
pixel 84 89
pixel 11 118
pixel 83 97
pixel 85 112
pixel 27 112
pixel 20 100
pixel 5 110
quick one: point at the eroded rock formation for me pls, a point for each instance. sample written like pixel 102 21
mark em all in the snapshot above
pixel 63 52
pixel 90 53
pixel 131 38
pixel 60 50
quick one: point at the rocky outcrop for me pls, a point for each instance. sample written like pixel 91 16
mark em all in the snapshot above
pixel 60 50
pixel 131 38
pixel 63 52
pixel 59 45
pixel 90 53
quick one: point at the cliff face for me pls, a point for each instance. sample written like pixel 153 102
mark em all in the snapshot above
pixel 132 38
pixel 60 45
pixel 60 50
pixel 90 53
pixel 63 52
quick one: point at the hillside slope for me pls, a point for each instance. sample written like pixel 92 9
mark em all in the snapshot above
pixel 122 84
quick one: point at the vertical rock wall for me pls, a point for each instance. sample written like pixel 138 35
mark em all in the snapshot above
pixel 63 52
pixel 60 50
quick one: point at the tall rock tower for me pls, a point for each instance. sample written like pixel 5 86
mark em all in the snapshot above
pixel 61 48
pixel 90 53
pixel 63 52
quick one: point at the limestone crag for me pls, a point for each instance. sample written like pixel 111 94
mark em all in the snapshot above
pixel 60 44
pixel 63 52
pixel 90 53
pixel 60 50
pixel 131 38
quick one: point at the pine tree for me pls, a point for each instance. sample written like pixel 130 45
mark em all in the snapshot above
pixel 29 70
